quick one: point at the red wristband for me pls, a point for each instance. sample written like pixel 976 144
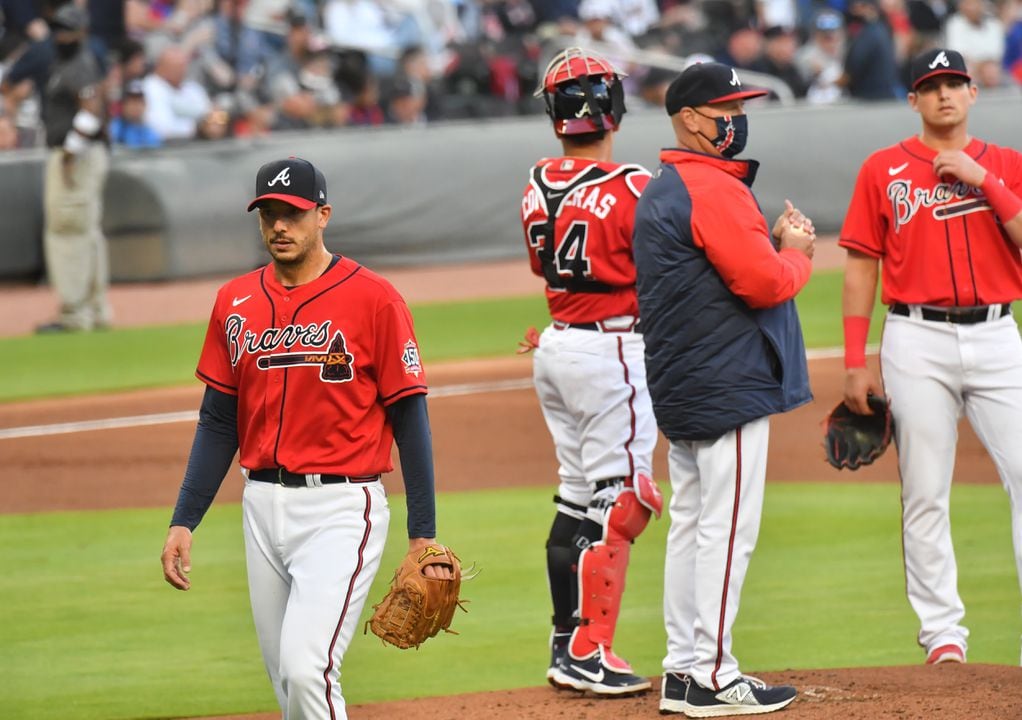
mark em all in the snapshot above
pixel 1004 202
pixel 856 332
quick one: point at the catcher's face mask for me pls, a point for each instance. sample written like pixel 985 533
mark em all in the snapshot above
pixel 583 93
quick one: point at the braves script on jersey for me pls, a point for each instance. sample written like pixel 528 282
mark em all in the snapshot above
pixel 341 346
pixel 589 268
pixel 950 248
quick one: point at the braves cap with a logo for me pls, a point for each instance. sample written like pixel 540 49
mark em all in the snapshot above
pixel 705 84
pixel 294 181
pixel 938 61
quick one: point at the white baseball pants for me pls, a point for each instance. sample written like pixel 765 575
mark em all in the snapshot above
pixel 312 554
pixel 933 371
pixel 716 506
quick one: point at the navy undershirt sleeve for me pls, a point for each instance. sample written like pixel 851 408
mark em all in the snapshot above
pixel 213 449
pixel 410 420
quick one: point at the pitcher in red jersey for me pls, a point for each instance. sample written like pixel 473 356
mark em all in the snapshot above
pixel 312 371
pixel 937 220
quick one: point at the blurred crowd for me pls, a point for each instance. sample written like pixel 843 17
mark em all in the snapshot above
pixel 182 70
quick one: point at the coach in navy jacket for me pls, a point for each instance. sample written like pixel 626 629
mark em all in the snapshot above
pixel 724 351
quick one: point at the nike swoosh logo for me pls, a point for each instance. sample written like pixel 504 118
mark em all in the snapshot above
pixel 595 677
pixel 238 301
pixel 895 170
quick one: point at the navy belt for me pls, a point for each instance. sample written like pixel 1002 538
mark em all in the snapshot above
pixel 957 315
pixel 598 326
pixel 280 476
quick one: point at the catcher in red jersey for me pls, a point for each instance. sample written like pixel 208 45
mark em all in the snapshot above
pixel 312 371
pixel 588 369
pixel 937 220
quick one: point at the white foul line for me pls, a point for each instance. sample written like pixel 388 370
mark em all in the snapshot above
pixel 193 415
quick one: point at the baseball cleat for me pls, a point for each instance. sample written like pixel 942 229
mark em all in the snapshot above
pixel 946 653
pixel 745 696
pixel 597 675
pixel 673 690
pixel 558 651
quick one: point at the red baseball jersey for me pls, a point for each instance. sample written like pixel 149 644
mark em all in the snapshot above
pixel 313 368
pixel 589 268
pixel 940 241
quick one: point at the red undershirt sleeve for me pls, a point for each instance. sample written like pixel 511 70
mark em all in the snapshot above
pixel 738 244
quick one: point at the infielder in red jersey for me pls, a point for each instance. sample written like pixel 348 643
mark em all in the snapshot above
pixel 577 214
pixel 312 370
pixel 941 214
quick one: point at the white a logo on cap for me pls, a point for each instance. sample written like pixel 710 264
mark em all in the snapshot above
pixel 941 59
pixel 735 82
pixel 283 177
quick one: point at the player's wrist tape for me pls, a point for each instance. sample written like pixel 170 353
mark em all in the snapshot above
pixel 1004 202
pixel 856 331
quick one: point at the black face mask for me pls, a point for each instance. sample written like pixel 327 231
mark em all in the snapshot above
pixel 67 50
pixel 732 133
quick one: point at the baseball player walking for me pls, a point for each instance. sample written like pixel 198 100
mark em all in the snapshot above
pixel 312 370
pixel 724 351
pixel 588 371
pixel 941 212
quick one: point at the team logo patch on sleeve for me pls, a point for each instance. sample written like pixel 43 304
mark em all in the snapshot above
pixel 410 359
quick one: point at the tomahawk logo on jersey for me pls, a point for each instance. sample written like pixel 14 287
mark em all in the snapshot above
pixel 588 261
pixel 944 256
pixel 341 345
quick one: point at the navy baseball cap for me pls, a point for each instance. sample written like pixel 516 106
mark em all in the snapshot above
pixel 295 181
pixel 706 84
pixel 938 61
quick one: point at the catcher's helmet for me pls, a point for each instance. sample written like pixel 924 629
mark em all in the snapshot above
pixel 583 93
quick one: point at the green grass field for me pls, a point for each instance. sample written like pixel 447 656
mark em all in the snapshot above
pixel 91 631
pixel 41 366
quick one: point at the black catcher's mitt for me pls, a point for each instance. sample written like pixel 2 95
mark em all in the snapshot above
pixel 852 440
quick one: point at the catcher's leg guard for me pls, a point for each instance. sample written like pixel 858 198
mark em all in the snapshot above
pixel 561 558
pixel 601 570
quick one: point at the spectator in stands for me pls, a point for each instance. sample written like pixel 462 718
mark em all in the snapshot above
pixel 744 47
pixel 414 64
pixel 174 103
pixel 300 82
pixel 871 70
pixel 74 177
pixel 979 36
pixel 406 102
pixel 366 25
pixel 778 59
pixel 821 60
pixel 598 24
pixel 654 84
pixel 365 103
pixel 27 56
pixel 1013 44
pixel 129 127
pixel 107 30
pixel 8 134
pixel 554 11
pixel 263 33
pixel 776 13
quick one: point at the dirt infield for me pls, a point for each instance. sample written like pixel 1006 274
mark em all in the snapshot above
pixel 141 466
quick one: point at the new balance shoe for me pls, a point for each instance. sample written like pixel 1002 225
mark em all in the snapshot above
pixel 673 690
pixel 602 673
pixel 745 696
pixel 944 654
pixel 558 651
